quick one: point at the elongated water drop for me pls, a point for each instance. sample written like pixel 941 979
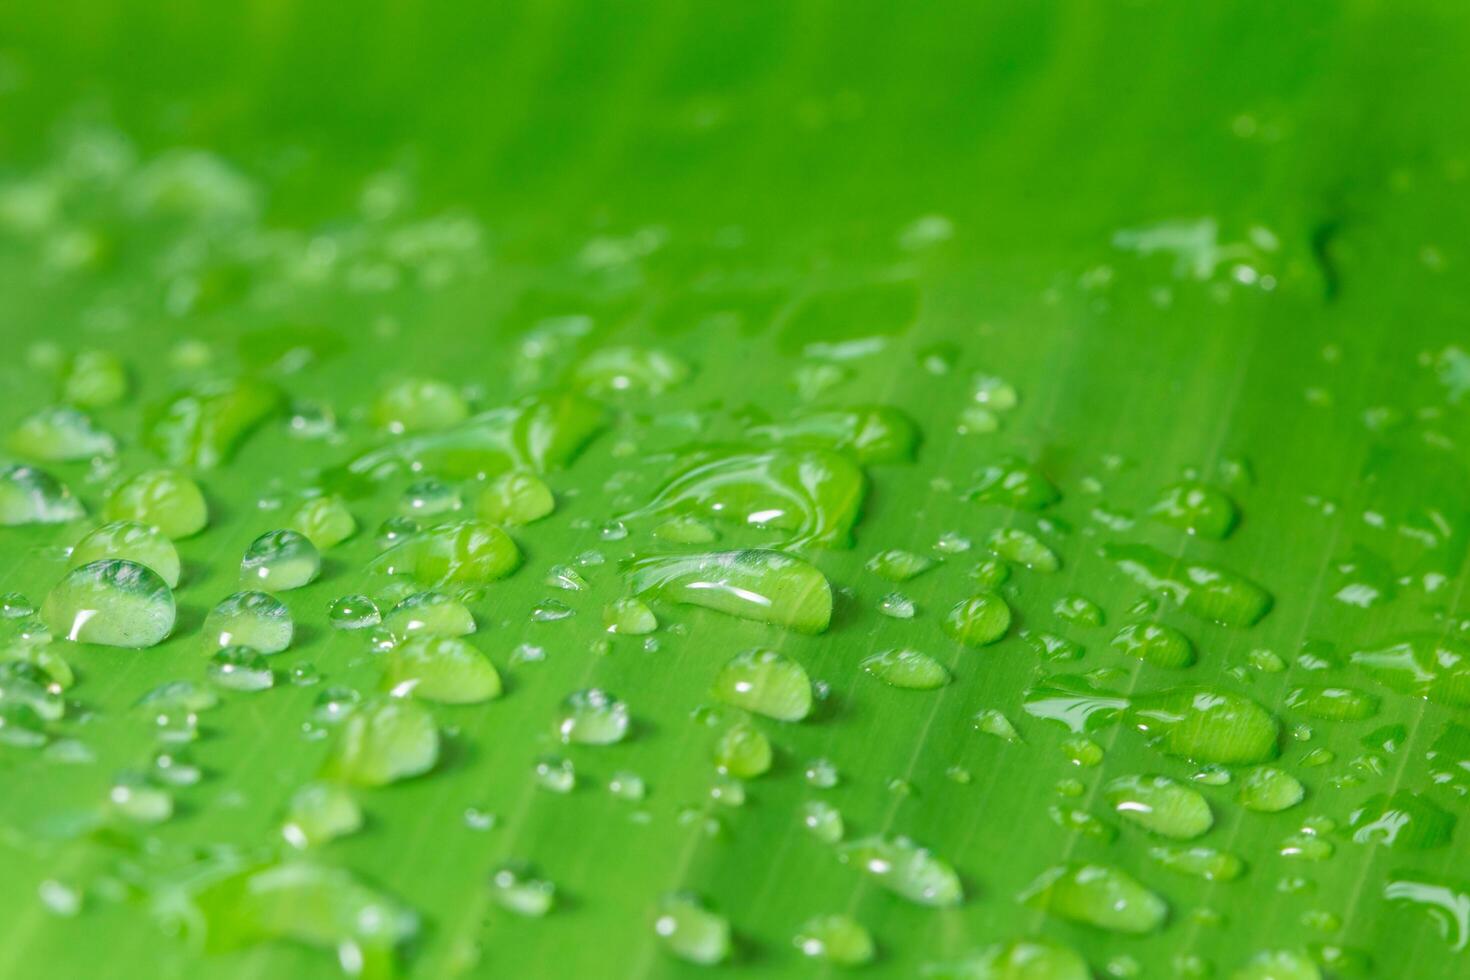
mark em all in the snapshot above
pixel 898 565
pixel 417 404
pixel 204 426
pixel 61 434
pixel 256 620
pixel 1097 895
pixel 906 869
pixel 1432 666
pixel 440 668
pixel 767 683
pixel 1207 591
pixel 132 541
pixel 32 496
pixel 1023 548
pixel 112 603
pixel 907 669
pixel 1014 483
pixel 1403 819
pixel 1207 863
pixel 165 499
pixel 765 586
pixel 383 741
pixel 1161 805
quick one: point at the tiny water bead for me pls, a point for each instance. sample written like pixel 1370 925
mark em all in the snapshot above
pixel 324 521
pixel 690 931
pixel 32 496
pixel 382 742
pixel 910 669
pixel 132 541
pixel 318 813
pixel 238 668
pixel 430 613
pixel 764 586
pixel 515 498
pixel 1097 895
pixel 823 821
pixel 592 717
pixel 256 620
pixel 838 939
pixel 61 434
pixel 440 668
pixel 979 620
pixel 112 603
pixel 354 612
pixel 1155 643
pixel 1161 805
pixel 906 869
pixel 165 499
pixel 279 561
pixel 766 683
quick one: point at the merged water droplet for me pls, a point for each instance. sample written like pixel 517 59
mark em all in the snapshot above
pixel 1196 508
pixel 112 603
pixel 429 613
pixel 204 425
pixel 515 499
pixel 516 890
pixel 1155 643
pixel 1402 819
pixel 765 586
pixel 1023 959
pixel 870 433
pixel 419 404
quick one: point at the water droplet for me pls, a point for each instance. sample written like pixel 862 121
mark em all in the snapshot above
pixel 1078 610
pixel 767 683
pixel 1097 895
pixel 629 616
pixel 627 786
pixel 95 379
pixel 1402 820
pixel 431 614
pixel 132 541
pixel 255 620
pixel 418 404
pixel 821 773
pixel 838 939
pixel 318 813
pixel 61 434
pixel 32 496
pixel 979 620
pixel 133 799
pixel 1199 862
pixel 992 721
pixel 906 668
pixel 1160 805
pixel 765 586
pixel 469 552
pixel 555 774
pixel 906 869
pixel 165 499
pixel 898 565
pixel 1025 959
pixel 691 931
pixel 743 751
pixel 823 820
pixel 870 433
pixel 1269 790
pixel 1016 545
pixel 1333 703
pixel 515 890
pixel 1208 591
pixel 515 499
pixel 1278 965
pixel 592 717
pixel 324 521
pixel 203 426
pixel 382 742
pixel 239 668
pixel 113 603
pixel 354 612
pixel 440 668
pixel 1155 643
pixel 1425 665
pixel 278 561
pixel 625 370
pixel 1010 482
pixel 1196 508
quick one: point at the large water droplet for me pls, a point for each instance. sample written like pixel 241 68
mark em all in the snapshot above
pixel 1161 805
pixel 430 613
pixel 203 426
pixel 767 683
pixel 249 619
pixel 132 541
pixel 278 561
pixel 383 741
pixel 61 434
pixel 165 499
pixel 1097 895
pixel 440 668
pixel 32 496
pixel 113 603
pixel 468 552
pixel 592 717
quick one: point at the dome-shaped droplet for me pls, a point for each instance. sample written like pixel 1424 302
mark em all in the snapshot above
pixel 838 939
pixel 1097 895
pixel 906 869
pixel 113 603
pixel 61 434
pixel 256 620
pixel 1162 805
pixel 743 751
pixel 383 741
pixel 165 499
pixel 240 669
pixel 324 521
pixel 767 683
pixel 279 561
pixel 133 541
pixel 32 496
pixel 320 812
pixel 515 499
pixel 430 613
pixel 908 669
pixel 354 612
pixel 440 668
pixel 979 620
pixel 691 931
pixel 592 717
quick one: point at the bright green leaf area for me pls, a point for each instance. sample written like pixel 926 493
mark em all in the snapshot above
pixel 1093 251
